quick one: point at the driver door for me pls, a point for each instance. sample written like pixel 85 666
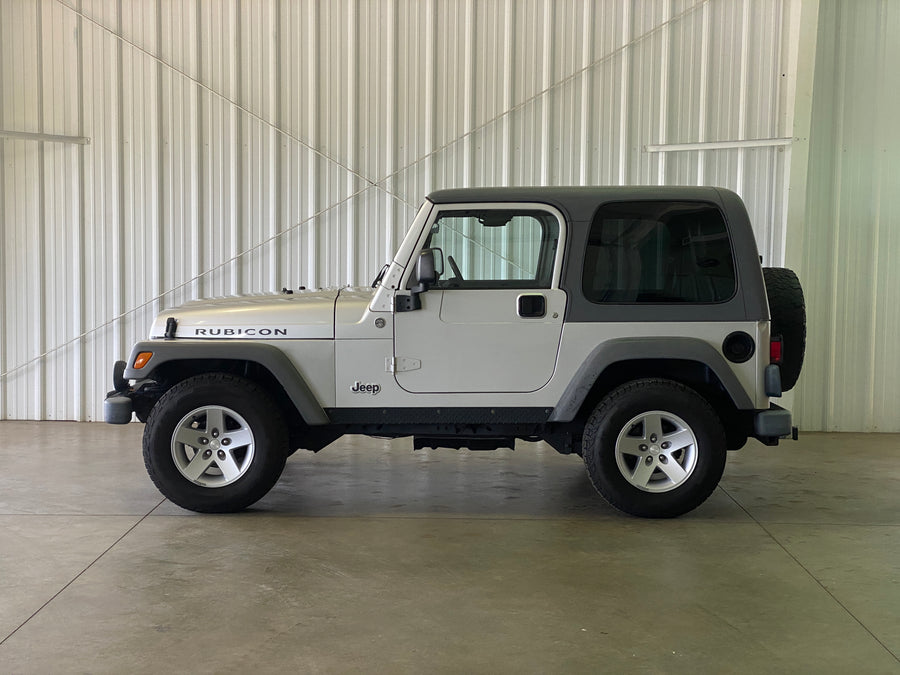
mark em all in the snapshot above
pixel 492 321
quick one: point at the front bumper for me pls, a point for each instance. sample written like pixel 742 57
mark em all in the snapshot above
pixel 117 408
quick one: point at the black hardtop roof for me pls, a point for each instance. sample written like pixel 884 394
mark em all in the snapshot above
pixel 577 203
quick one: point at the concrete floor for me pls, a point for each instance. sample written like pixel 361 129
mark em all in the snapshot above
pixel 370 558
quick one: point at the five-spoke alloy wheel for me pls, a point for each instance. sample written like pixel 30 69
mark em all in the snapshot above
pixel 215 443
pixel 656 451
pixel 654 448
pixel 213 446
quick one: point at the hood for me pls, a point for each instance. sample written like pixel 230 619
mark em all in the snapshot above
pixel 300 315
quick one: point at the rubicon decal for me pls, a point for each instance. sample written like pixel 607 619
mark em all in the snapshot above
pixel 365 388
pixel 238 332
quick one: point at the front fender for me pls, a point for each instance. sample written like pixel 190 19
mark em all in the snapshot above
pixel 269 357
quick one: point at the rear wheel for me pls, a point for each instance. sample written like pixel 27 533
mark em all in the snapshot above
pixel 654 448
pixel 215 443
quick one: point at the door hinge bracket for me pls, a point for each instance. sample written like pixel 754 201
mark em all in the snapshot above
pixel 401 364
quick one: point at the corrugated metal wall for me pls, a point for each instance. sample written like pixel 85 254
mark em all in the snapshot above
pixel 851 236
pixel 243 146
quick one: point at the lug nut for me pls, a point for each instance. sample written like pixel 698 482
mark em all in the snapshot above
pixel 203 440
pixel 652 438
pixel 215 433
pixel 649 460
pixel 226 441
pixel 220 454
pixel 666 445
pixel 207 454
pixel 643 448
pixel 663 459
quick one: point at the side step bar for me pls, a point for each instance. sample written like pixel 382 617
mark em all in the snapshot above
pixel 459 442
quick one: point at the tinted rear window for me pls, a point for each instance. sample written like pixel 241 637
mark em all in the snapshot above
pixel 658 252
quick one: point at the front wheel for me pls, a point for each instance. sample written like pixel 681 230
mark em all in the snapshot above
pixel 654 448
pixel 215 443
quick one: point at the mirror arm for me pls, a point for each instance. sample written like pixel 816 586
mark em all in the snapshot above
pixel 407 303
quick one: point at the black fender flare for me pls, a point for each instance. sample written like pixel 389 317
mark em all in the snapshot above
pixel 629 349
pixel 268 356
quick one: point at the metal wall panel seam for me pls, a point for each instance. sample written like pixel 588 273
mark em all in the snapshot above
pixel 546 82
pixel 352 84
pixel 236 188
pixel 158 228
pixel 312 110
pixel 509 80
pixel 430 93
pixel 743 84
pixel 835 198
pixel 39 324
pixel 779 215
pixel 119 233
pixel 391 141
pixel 704 91
pixel 278 275
pixel 202 170
pixel 468 91
pixel 587 44
pixel 80 287
pixel 879 169
pixel 626 81
pixel 4 301
pixel 202 180
pixel 662 126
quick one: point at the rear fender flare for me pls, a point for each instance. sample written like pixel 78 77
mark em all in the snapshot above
pixel 625 349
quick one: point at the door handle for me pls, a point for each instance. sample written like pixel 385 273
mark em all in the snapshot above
pixel 531 306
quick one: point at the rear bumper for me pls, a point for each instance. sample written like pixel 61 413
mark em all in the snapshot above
pixel 772 424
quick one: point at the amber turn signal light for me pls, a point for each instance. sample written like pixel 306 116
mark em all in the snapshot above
pixel 141 360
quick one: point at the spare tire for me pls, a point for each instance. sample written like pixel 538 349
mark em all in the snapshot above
pixel 788 312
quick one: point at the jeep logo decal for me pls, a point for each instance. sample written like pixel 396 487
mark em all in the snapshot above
pixel 365 388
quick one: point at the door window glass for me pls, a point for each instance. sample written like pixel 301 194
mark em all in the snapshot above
pixel 494 248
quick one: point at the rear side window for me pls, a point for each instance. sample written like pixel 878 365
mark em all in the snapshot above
pixel 658 252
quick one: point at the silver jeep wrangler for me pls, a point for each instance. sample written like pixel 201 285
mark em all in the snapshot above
pixel 633 326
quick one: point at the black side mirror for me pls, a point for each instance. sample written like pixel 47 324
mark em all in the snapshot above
pixel 426 271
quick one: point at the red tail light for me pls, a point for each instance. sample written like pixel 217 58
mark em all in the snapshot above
pixel 775 346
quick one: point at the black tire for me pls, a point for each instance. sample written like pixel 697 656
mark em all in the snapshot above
pixel 627 416
pixel 252 443
pixel 788 312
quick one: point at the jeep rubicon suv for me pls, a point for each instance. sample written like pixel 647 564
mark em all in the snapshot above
pixel 629 325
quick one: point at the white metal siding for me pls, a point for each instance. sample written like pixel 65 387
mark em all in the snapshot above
pixel 851 380
pixel 243 146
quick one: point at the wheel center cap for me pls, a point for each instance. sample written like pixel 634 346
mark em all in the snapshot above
pixel 654 449
pixel 215 445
